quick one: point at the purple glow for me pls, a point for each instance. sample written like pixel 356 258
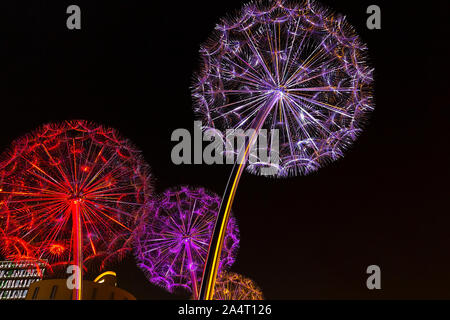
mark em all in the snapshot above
pixel 299 68
pixel 172 241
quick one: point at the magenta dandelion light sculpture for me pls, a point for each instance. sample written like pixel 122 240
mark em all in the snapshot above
pixel 171 243
pixel 291 66
pixel 71 193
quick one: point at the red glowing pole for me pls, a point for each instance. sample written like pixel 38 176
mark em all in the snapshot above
pixel 77 249
pixel 192 271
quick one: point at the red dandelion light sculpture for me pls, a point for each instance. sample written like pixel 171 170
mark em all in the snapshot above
pixel 71 193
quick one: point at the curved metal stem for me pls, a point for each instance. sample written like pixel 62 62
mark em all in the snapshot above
pixel 215 247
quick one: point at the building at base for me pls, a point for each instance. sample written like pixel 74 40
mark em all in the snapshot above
pixel 104 287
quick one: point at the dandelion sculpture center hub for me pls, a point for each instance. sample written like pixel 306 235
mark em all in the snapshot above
pixel 76 196
pixel 280 92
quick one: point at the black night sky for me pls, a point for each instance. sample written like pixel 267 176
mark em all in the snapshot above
pixel 385 203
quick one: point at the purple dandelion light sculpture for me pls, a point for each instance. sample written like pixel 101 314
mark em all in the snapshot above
pixel 291 66
pixel 172 240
